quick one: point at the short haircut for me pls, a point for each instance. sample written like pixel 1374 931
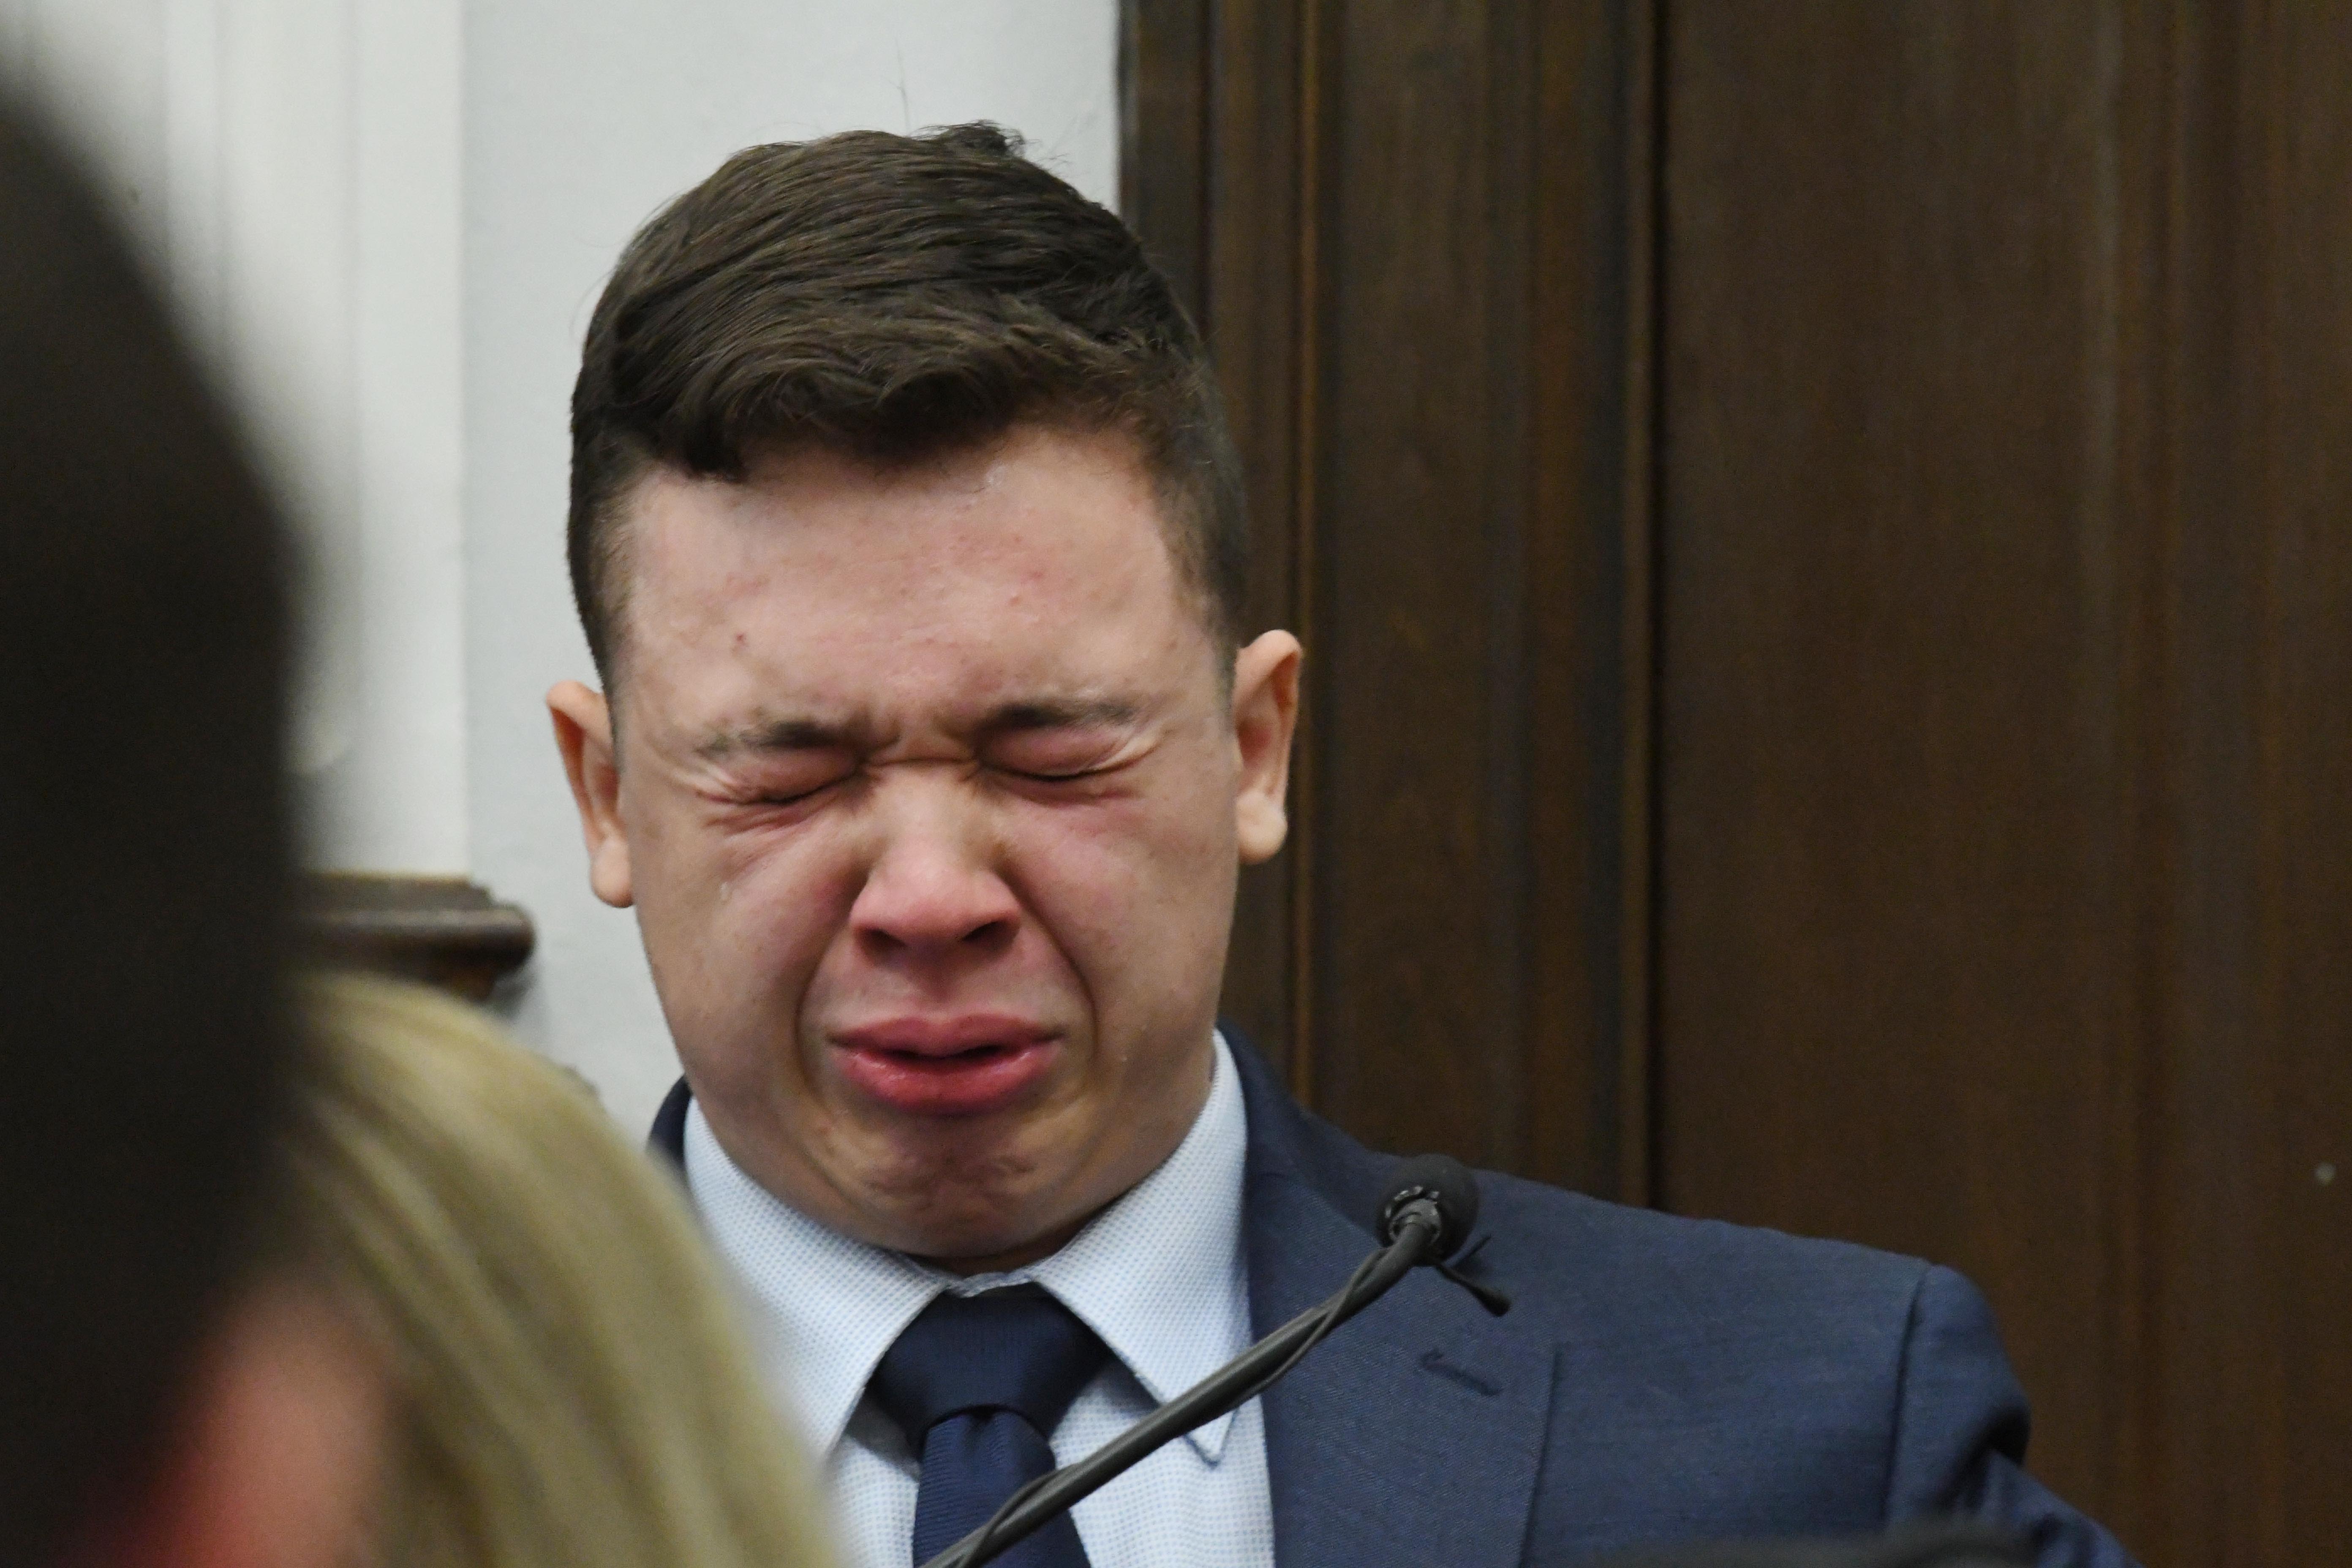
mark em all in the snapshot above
pixel 893 298
pixel 144 851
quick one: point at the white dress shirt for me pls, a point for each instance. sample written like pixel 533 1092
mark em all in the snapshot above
pixel 1161 1274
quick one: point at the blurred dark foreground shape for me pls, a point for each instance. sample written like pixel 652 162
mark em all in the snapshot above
pixel 370 1285
pixel 143 879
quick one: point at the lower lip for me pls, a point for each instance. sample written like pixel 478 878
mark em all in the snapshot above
pixel 969 1083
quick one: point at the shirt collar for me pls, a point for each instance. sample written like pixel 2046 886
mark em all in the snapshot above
pixel 1159 1274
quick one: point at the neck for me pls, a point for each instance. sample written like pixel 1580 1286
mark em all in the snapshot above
pixel 1020 1257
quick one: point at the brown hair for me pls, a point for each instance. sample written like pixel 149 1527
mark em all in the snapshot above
pixel 892 298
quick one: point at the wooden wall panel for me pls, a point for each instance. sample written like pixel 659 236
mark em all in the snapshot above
pixel 1261 252
pixel 1823 534
pixel 1396 286
pixel 1416 676
pixel 1587 598
pixel 1215 100
pixel 2006 645
pixel 1895 775
pixel 2251 1310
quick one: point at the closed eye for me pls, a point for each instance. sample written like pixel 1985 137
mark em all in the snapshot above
pixel 1069 781
pixel 796 799
pixel 789 792
pixel 1054 775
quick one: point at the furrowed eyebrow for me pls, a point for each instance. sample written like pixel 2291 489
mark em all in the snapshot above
pixel 805 734
pixel 1055 713
pixel 779 735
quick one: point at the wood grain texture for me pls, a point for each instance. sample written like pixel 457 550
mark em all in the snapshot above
pixel 1396 287
pixel 1419 929
pixel 2251 1313
pixel 1823 533
pixel 1891 766
pixel 1216 104
pixel 1164 126
pixel 439 930
pixel 2004 654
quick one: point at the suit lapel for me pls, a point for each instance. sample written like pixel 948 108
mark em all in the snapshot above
pixel 1413 1435
pixel 668 1139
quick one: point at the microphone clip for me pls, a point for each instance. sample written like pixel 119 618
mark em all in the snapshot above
pixel 1494 1301
pixel 1441 1194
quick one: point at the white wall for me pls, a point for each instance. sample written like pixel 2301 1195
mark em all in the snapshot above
pixel 581 117
pixel 291 169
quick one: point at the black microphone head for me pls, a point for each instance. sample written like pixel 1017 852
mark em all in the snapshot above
pixel 1444 1181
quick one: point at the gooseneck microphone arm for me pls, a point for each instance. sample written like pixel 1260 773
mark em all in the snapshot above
pixel 1428 1211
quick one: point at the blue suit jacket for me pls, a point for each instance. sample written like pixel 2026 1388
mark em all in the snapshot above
pixel 1657 1379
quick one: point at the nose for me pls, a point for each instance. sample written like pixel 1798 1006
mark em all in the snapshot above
pixel 934 895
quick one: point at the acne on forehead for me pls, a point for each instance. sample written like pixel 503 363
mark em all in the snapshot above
pixel 904 537
pixel 804 576
pixel 969 476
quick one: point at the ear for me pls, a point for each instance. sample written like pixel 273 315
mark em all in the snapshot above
pixel 276 1457
pixel 1265 715
pixel 584 733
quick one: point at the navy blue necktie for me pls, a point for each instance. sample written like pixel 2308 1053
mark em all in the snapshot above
pixel 978 1383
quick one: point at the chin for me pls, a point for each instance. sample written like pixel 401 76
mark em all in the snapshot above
pixel 958 1215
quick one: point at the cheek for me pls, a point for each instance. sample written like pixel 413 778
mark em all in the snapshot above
pixel 664 881
pixel 1137 895
pixel 781 903
pixel 737 922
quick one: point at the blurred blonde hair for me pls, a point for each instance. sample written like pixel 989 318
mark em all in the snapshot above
pixel 571 1383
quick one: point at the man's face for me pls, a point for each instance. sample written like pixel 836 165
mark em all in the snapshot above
pixel 929 801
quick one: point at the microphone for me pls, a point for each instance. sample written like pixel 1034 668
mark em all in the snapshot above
pixel 1446 1185
pixel 1426 1212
